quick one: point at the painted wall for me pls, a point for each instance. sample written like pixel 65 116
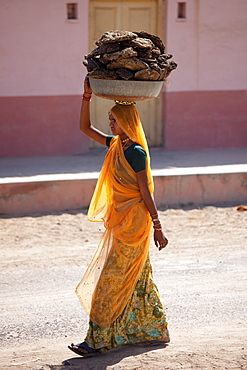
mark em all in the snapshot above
pixel 206 101
pixel 41 77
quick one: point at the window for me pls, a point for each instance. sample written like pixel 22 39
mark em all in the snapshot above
pixel 72 11
pixel 181 10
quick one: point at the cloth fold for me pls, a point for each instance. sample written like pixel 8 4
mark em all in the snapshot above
pixel 112 275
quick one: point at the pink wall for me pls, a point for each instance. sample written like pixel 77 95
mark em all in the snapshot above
pixel 209 45
pixel 41 125
pixel 41 76
pixel 206 119
pixel 205 104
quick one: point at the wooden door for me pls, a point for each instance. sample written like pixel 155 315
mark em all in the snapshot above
pixel 130 16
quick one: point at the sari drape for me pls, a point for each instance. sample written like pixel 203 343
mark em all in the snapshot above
pixel 143 319
pixel 112 275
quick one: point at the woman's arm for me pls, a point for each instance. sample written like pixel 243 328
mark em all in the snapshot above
pixel 159 238
pixel 85 123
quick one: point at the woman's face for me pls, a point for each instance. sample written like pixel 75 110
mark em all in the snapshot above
pixel 115 129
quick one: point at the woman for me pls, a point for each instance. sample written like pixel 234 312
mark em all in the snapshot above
pixel 117 289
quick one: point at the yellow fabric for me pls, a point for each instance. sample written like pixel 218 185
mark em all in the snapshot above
pixel 115 269
pixel 143 319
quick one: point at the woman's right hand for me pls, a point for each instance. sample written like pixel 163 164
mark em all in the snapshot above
pixel 87 87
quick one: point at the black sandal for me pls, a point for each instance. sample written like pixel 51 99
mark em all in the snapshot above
pixel 77 348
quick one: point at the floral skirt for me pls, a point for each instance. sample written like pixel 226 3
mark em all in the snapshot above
pixel 143 318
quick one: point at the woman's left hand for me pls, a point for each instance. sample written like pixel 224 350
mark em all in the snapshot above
pixel 160 239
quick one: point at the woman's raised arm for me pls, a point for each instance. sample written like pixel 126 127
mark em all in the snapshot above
pixel 85 123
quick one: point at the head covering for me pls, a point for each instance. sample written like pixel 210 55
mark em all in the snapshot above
pixel 128 119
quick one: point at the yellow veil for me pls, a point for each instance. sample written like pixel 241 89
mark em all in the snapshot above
pixel 113 273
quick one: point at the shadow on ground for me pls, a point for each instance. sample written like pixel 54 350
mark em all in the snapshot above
pixel 110 358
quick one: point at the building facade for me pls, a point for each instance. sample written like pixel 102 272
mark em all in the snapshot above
pixel 41 75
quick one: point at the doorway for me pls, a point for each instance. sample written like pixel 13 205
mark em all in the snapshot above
pixel 131 16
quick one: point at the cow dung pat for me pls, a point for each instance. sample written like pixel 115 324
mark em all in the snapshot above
pixel 92 64
pixel 134 64
pixel 155 39
pixel 103 74
pixel 148 74
pixel 125 74
pixel 129 56
pixel 109 48
pixel 141 43
pixel 125 53
pixel 116 36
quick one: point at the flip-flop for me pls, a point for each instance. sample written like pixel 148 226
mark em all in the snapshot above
pixel 90 351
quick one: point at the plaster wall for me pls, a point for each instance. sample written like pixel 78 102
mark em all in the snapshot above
pixel 209 45
pixel 42 50
pixel 41 77
pixel 205 105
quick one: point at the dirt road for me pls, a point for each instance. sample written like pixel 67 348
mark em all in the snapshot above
pixel 201 276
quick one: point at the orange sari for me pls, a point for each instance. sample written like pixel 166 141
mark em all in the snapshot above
pixel 116 266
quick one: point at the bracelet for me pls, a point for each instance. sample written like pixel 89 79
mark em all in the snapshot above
pixel 157 226
pixel 86 98
pixel 157 229
pixel 155 215
pixel 156 219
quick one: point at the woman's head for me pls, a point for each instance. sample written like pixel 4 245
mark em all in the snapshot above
pixel 115 128
pixel 127 119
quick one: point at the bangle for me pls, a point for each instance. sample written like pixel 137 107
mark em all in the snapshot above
pixel 84 95
pixel 158 228
pixel 86 98
pixel 156 219
pixel 155 215
pixel 157 225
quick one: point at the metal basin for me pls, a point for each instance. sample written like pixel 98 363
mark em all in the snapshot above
pixel 125 90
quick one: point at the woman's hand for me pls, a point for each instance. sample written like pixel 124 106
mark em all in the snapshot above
pixel 87 87
pixel 160 239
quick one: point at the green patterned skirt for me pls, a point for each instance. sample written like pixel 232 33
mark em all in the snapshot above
pixel 143 318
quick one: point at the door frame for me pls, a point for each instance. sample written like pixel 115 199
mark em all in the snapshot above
pixel 161 32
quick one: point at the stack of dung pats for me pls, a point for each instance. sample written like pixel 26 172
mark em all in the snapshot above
pixel 129 56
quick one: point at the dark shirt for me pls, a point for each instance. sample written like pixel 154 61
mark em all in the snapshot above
pixel 135 155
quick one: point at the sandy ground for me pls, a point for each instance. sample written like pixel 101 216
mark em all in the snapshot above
pixel 201 276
